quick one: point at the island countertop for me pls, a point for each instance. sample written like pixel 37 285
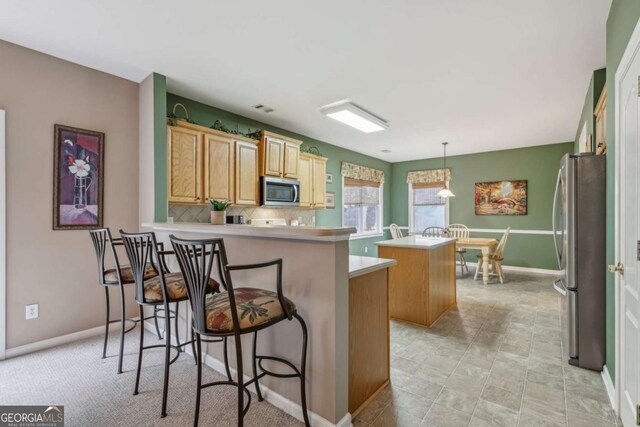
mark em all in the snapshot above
pixel 418 242
pixel 323 234
pixel 361 265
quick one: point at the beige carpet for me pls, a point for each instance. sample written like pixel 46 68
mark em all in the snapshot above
pixel 74 375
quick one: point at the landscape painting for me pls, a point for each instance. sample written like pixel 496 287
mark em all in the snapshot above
pixel 77 178
pixel 501 198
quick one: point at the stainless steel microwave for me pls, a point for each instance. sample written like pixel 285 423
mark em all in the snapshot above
pixel 279 192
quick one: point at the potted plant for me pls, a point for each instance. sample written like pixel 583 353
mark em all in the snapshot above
pixel 218 211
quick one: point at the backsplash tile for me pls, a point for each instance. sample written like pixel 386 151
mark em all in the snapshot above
pixel 182 213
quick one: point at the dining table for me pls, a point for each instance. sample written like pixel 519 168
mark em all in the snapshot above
pixel 486 246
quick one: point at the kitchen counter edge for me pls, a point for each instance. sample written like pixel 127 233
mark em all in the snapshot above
pixel 322 234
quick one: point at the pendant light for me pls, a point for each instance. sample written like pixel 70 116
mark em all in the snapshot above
pixel 445 192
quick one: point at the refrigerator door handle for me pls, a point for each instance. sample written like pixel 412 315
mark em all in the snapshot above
pixel 561 289
pixel 553 219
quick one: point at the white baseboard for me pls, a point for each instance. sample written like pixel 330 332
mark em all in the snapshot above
pixel 526 270
pixel 608 385
pixel 276 399
pixel 56 341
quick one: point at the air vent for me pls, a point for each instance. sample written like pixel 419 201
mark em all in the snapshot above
pixel 264 108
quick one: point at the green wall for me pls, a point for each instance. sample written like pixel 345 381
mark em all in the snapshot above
pixel 538 165
pixel 160 146
pixel 623 16
pixel 206 115
pixel 593 94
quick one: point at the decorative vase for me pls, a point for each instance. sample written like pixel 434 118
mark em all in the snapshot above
pixel 80 191
pixel 218 217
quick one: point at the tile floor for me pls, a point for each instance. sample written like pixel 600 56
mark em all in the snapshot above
pixel 494 360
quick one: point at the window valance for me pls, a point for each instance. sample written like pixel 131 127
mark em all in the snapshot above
pixel 429 176
pixel 349 170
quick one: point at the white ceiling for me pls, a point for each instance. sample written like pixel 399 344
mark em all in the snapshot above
pixel 481 74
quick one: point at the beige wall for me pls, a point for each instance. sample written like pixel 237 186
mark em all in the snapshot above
pixel 57 269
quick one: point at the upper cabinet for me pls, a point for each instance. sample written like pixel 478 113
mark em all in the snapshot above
pixel 184 165
pixel 279 155
pixel 247 189
pixel 219 165
pixel 206 164
pixel 312 177
pixel 600 114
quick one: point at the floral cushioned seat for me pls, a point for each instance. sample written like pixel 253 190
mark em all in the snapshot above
pixel 111 275
pixel 255 307
pixel 176 287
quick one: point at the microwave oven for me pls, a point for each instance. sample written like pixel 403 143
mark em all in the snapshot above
pixel 279 192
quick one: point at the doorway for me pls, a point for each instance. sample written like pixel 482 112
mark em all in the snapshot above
pixel 627 113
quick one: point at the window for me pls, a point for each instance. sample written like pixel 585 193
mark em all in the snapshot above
pixel 362 206
pixel 426 209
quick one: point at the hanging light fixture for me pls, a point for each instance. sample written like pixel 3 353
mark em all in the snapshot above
pixel 445 192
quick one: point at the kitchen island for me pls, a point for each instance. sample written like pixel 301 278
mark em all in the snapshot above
pixel 423 284
pixel 343 300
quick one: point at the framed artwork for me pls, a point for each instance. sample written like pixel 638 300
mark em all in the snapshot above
pixel 330 200
pixel 501 198
pixel 329 178
pixel 78 170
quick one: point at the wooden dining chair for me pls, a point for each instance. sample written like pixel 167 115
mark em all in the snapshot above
pixel 495 259
pixel 435 232
pixel 460 231
pixel 396 232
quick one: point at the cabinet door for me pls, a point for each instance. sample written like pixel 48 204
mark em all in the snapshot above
pixel 305 175
pixel 218 168
pixel 291 157
pixel 184 165
pixel 273 156
pixel 319 183
pixel 246 174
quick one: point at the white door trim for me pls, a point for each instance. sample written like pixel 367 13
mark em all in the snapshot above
pixel 3 237
pixel 631 50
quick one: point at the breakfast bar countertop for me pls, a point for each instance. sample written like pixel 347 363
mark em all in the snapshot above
pixel 322 234
pixel 361 265
pixel 418 242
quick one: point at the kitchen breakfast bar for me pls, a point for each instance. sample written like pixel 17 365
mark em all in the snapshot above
pixel 344 301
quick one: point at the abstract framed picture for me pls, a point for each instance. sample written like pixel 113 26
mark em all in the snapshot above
pixel 78 178
pixel 501 198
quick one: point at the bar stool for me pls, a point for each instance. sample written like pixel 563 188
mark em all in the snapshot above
pixel 160 290
pixel 119 276
pixel 233 313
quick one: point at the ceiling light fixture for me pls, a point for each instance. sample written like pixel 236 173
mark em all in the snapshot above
pixel 350 114
pixel 385 151
pixel 445 192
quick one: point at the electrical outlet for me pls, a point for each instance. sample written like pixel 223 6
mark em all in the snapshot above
pixel 32 311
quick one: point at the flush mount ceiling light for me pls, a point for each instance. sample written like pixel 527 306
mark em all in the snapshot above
pixel 350 114
pixel 445 192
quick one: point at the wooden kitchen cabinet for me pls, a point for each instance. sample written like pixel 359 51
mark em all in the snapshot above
pixel 246 165
pixel 312 176
pixel 219 167
pixel 279 155
pixel 206 164
pixel 184 165
pixel 600 115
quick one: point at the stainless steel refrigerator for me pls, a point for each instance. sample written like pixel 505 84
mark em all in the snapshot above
pixel 579 239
